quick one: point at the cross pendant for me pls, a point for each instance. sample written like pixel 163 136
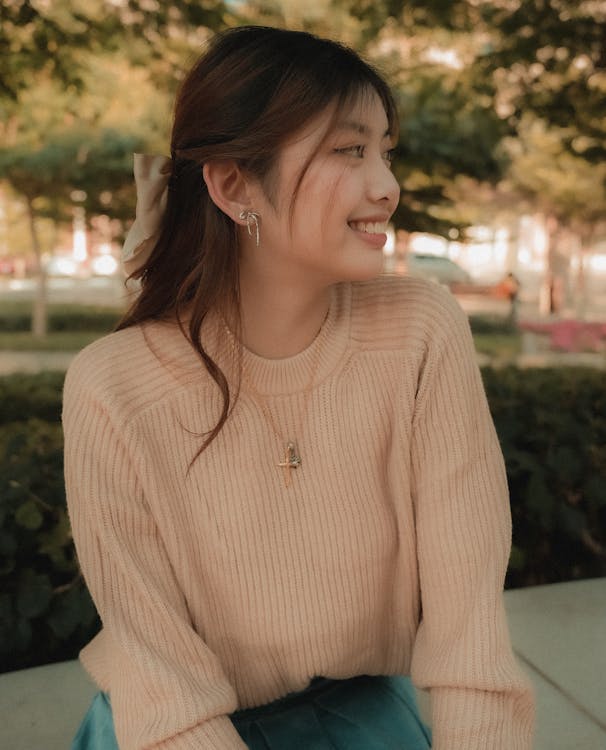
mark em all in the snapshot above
pixel 292 460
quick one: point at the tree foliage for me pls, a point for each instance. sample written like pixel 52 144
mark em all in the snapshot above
pixel 58 139
pixel 45 609
pixel 56 36
pixel 474 79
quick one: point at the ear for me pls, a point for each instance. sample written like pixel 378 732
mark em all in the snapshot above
pixel 228 188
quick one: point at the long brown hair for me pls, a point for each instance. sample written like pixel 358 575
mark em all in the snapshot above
pixel 250 92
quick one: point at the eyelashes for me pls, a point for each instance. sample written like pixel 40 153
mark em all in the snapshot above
pixel 358 150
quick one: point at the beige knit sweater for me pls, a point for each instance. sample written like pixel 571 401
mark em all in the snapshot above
pixel 221 588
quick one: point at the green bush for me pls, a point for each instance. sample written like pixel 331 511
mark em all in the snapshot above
pixel 31 396
pixel 492 324
pixel 17 317
pixel 46 613
pixel 552 428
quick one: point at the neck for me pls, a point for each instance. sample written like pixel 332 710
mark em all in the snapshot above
pixel 281 320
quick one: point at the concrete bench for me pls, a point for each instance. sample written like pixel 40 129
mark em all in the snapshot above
pixel 41 708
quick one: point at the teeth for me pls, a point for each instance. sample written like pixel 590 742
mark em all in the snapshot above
pixel 370 227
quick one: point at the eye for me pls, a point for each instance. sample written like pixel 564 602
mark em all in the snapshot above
pixel 357 151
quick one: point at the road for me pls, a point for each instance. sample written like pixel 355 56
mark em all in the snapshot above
pixel 97 290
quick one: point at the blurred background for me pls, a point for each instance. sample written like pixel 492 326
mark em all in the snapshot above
pixel 501 159
pixel 501 153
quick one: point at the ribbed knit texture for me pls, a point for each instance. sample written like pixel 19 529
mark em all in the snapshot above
pixel 221 588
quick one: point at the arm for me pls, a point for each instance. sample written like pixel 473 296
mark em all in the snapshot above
pixel 168 690
pixel 462 653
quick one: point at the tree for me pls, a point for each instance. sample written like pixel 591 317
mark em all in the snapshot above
pixel 46 178
pixel 58 140
pixel 56 37
pixel 62 128
pixel 566 188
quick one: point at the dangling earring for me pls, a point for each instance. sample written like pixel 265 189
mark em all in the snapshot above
pixel 252 223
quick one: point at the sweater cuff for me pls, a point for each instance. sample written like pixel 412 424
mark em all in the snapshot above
pixel 481 720
pixel 215 734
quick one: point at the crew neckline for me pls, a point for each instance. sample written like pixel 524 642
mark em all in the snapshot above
pixel 291 374
pixel 268 377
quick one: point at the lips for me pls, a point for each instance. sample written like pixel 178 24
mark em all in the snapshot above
pixel 372 233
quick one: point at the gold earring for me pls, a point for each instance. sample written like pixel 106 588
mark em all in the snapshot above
pixel 252 223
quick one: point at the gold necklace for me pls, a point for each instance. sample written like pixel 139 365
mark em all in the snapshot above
pixel 291 457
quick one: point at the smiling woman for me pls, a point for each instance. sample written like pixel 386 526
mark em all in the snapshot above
pixel 285 488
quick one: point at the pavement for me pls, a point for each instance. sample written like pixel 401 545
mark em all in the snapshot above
pixel 105 291
pixel 557 632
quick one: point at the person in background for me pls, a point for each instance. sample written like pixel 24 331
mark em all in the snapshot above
pixel 510 289
pixel 286 492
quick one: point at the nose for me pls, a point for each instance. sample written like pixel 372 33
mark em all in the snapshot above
pixel 382 185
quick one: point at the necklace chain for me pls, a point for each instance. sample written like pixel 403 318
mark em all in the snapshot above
pixel 291 458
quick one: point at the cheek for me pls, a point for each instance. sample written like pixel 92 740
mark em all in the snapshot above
pixel 333 201
pixel 322 205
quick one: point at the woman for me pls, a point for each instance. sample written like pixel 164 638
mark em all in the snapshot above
pixel 285 487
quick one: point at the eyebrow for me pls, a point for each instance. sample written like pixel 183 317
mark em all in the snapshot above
pixel 359 127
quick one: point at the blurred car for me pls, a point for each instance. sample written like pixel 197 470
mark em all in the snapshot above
pixel 437 268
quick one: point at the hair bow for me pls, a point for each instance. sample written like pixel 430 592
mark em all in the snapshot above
pixel 152 173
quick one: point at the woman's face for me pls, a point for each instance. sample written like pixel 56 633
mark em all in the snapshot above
pixel 336 230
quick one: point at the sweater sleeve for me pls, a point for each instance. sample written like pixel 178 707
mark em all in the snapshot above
pixel 480 699
pixel 167 689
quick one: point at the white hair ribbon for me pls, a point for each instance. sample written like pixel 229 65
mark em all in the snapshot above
pixel 152 173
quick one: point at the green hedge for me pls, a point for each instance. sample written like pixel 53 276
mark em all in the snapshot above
pixel 552 428
pixel 46 613
pixel 18 317
pixel 492 324
pixel 25 397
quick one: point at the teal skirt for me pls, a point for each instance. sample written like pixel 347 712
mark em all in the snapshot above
pixel 362 713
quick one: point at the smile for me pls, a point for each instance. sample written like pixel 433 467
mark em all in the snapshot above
pixel 369 227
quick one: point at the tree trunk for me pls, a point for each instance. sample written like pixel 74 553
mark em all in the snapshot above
pixel 513 245
pixel 581 291
pixel 552 293
pixel 40 306
pixel 545 292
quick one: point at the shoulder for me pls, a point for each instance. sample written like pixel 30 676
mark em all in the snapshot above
pixel 105 368
pixel 122 373
pixel 395 311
